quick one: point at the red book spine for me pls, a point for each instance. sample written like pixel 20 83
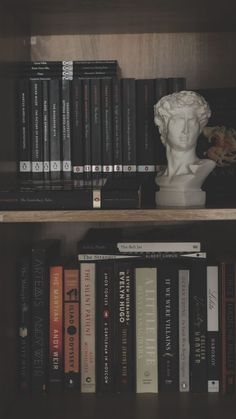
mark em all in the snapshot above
pixel 55 328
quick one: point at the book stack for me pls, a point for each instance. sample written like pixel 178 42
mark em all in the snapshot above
pixel 132 314
pixel 81 120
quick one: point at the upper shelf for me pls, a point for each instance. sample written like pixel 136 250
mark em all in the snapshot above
pixel 126 16
pixel 142 215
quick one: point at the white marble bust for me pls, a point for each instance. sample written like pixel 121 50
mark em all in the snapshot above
pixel 181 117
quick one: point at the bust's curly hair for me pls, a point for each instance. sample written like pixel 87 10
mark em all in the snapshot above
pixel 167 106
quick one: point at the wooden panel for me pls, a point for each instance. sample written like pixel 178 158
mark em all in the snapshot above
pixel 112 16
pixel 149 215
pixel 204 59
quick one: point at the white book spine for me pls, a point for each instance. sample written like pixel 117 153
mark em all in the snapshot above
pixel 159 247
pixel 213 329
pixel 184 350
pixel 88 368
pixel 146 330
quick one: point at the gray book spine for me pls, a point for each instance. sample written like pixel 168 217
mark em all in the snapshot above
pixel 184 385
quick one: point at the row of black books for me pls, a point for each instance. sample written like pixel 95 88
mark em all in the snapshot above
pixel 127 316
pixel 87 125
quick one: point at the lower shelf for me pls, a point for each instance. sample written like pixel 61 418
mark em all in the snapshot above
pixel 165 406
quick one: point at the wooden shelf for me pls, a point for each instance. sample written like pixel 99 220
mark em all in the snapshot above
pixel 142 215
pixel 128 406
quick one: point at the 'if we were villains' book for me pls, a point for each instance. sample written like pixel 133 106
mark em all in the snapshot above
pixel 146 326
pixel 71 328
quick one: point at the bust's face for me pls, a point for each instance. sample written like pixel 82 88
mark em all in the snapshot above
pixel 183 130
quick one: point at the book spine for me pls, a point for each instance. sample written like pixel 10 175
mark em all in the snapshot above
pixel 55 134
pixel 117 126
pixel 228 327
pixel 96 128
pixel 146 330
pixel 77 130
pixel 161 89
pixel 24 320
pixel 55 328
pixel 46 124
pixel 87 127
pixel 66 128
pixel 145 101
pixel 198 327
pixel 36 129
pixel 39 336
pixel 105 328
pixel 168 349
pixel 124 327
pixel 71 329
pixel 213 333
pixel 107 146
pixel 184 352
pixel 176 84
pixel 24 150
pixel 129 125
pixel 88 329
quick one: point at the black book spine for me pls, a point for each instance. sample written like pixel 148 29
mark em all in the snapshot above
pixel 146 150
pixel 161 89
pixel 107 146
pixel 129 125
pixel 24 150
pixel 55 135
pixel 24 320
pixel 66 128
pixel 46 124
pixel 124 327
pixel 87 127
pixel 36 129
pixel 198 327
pixel 105 327
pixel 77 130
pixel 117 126
pixel 176 84
pixel 168 346
pixel 228 290
pixel 96 128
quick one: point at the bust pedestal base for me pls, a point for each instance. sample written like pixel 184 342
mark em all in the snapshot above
pixel 173 198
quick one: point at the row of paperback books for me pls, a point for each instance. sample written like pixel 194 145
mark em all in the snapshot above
pixel 87 124
pixel 144 316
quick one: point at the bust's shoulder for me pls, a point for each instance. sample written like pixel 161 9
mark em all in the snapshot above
pixel 202 164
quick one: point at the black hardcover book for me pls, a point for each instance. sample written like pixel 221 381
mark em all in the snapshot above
pixel 24 324
pixel 96 128
pixel 107 143
pixel 217 142
pixel 66 128
pixel 129 125
pixel 41 254
pixel 109 194
pixel 55 132
pixel 124 326
pixel 168 345
pixel 176 84
pixel 77 130
pixel 198 326
pixel 117 126
pixel 24 148
pixel 105 327
pixel 46 124
pixel 146 141
pixel 161 89
pixel 228 292
pixel 36 129
pixel 86 104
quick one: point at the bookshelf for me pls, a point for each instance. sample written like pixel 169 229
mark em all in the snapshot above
pixel 149 39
